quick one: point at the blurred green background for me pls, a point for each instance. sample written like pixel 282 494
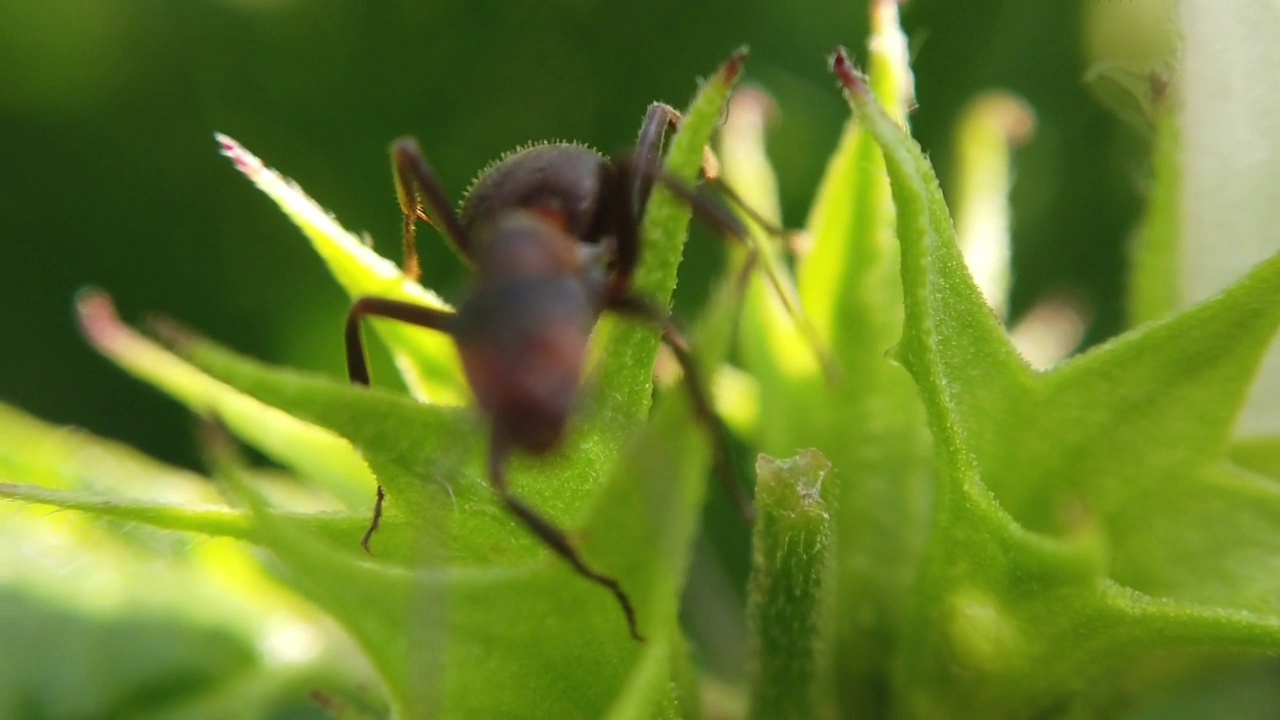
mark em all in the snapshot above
pixel 111 176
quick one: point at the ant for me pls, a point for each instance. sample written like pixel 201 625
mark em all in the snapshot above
pixel 552 234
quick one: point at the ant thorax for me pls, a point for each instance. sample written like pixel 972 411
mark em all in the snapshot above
pixel 523 245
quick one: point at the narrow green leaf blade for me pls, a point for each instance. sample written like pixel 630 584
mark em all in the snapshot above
pixel 427 457
pixel 1154 285
pixel 426 359
pixel 789 563
pixel 210 520
pixel 626 350
pixel 310 450
pixel 870 423
pixel 53 456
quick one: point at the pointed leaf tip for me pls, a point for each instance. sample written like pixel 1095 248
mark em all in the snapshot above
pixel 427 361
pixel 98 320
pixel 732 67
pixel 245 161
pixel 852 79
pixel 884 14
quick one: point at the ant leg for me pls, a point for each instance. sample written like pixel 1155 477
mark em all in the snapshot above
pixel 639 309
pixel 552 536
pixel 642 168
pixel 405 312
pixel 718 217
pixel 722 220
pixel 422 197
pixel 705 208
pixel 644 165
pixel 627 253
pixel 358 366
pixel 646 157
pixel 785 291
pixel 647 153
pixel 621 180
pixel 374 521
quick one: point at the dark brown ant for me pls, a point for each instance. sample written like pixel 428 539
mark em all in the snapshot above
pixel 552 233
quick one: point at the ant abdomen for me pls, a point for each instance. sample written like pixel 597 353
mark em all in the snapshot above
pixel 523 346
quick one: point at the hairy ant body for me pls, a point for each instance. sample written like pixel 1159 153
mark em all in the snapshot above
pixel 552 234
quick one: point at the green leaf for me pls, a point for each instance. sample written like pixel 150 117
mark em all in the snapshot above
pixel 626 351
pixel 865 417
pixel 1162 399
pixel 426 359
pixel 1211 538
pixel 779 341
pixel 428 457
pixel 305 448
pixel 869 423
pixel 451 565
pixel 71 469
pixel 1259 454
pixel 1154 287
pixel 202 625
pixel 210 520
pixel 69 665
pixel 789 559
pixel 69 458
pixel 1135 427
pixel 576 657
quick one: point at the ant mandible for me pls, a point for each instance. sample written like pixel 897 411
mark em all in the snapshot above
pixel 552 233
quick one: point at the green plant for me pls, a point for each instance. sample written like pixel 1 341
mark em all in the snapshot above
pixel 968 538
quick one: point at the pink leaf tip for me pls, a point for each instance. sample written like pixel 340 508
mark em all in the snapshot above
pixel 733 66
pixel 98 319
pixel 852 80
pixel 245 161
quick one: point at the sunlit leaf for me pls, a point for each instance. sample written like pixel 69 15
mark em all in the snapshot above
pixel 1153 406
pixel 426 359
